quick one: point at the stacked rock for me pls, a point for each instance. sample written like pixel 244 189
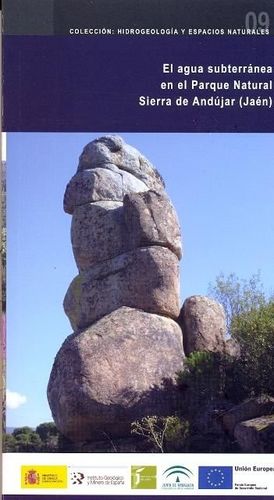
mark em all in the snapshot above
pixel 126 347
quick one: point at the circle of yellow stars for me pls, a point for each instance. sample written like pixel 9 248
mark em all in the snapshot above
pixel 217 472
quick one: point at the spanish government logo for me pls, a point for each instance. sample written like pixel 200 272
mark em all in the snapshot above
pixel 32 477
pixel 44 476
pixel 143 477
pixel 215 478
pixel 177 477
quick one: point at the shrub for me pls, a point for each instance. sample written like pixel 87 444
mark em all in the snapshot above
pixel 164 433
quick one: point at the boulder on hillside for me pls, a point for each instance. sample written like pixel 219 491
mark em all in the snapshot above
pixel 203 323
pixel 120 369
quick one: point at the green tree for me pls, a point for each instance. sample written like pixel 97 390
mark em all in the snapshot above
pixel 22 430
pixel 45 438
pixel 26 440
pixel 250 318
pixel 205 375
pixel 237 296
pixel 9 443
pixel 49 436
pixel 254 331
pixel 23 439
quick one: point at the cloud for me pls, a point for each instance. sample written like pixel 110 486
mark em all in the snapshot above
pixel 14 399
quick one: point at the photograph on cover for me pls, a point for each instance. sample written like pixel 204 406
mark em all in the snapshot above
pixel 160 248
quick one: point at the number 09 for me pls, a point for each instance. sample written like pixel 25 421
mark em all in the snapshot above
pixel 254 21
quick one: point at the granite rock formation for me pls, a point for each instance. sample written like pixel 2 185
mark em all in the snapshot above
pixel 145 278
pixel 247 410
pixel 126 347
pixel 114 372
pixel 251 424
pixel 256 435
pixel 203 323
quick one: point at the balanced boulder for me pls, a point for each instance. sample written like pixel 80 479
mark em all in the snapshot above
pixel 121 362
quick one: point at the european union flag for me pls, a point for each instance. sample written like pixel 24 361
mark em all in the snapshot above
pixel 215 478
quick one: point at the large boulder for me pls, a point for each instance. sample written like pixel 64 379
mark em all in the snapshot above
pixel 249 409
pixel 120 369
pixel 256 435
pixel 112 150
pixel 146 279
pixel 100 184
pixel 203 323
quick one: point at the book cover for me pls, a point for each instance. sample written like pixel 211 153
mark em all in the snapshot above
pixel 137 213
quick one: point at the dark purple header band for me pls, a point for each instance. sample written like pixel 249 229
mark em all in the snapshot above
pixel 55 17
pixel 94 83
pixel 130 497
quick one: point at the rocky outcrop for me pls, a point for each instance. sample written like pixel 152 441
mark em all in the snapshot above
pixel 203 324
pixel 256 435
pixel 117 370
pixel 251 424
pixel 121 360
pixel 249 409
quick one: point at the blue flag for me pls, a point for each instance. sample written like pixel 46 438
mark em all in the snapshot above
pixel 215 478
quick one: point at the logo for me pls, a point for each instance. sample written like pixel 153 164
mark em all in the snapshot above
pixel 143 477
pixel 44 476
pixel 215 478
pixel 32 477
pixel 177 477
pixel 77 477
pixel 98 476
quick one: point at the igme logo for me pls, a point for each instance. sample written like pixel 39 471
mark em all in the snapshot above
pixel 77 477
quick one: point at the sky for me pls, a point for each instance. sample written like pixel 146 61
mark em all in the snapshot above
pixel 222 186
